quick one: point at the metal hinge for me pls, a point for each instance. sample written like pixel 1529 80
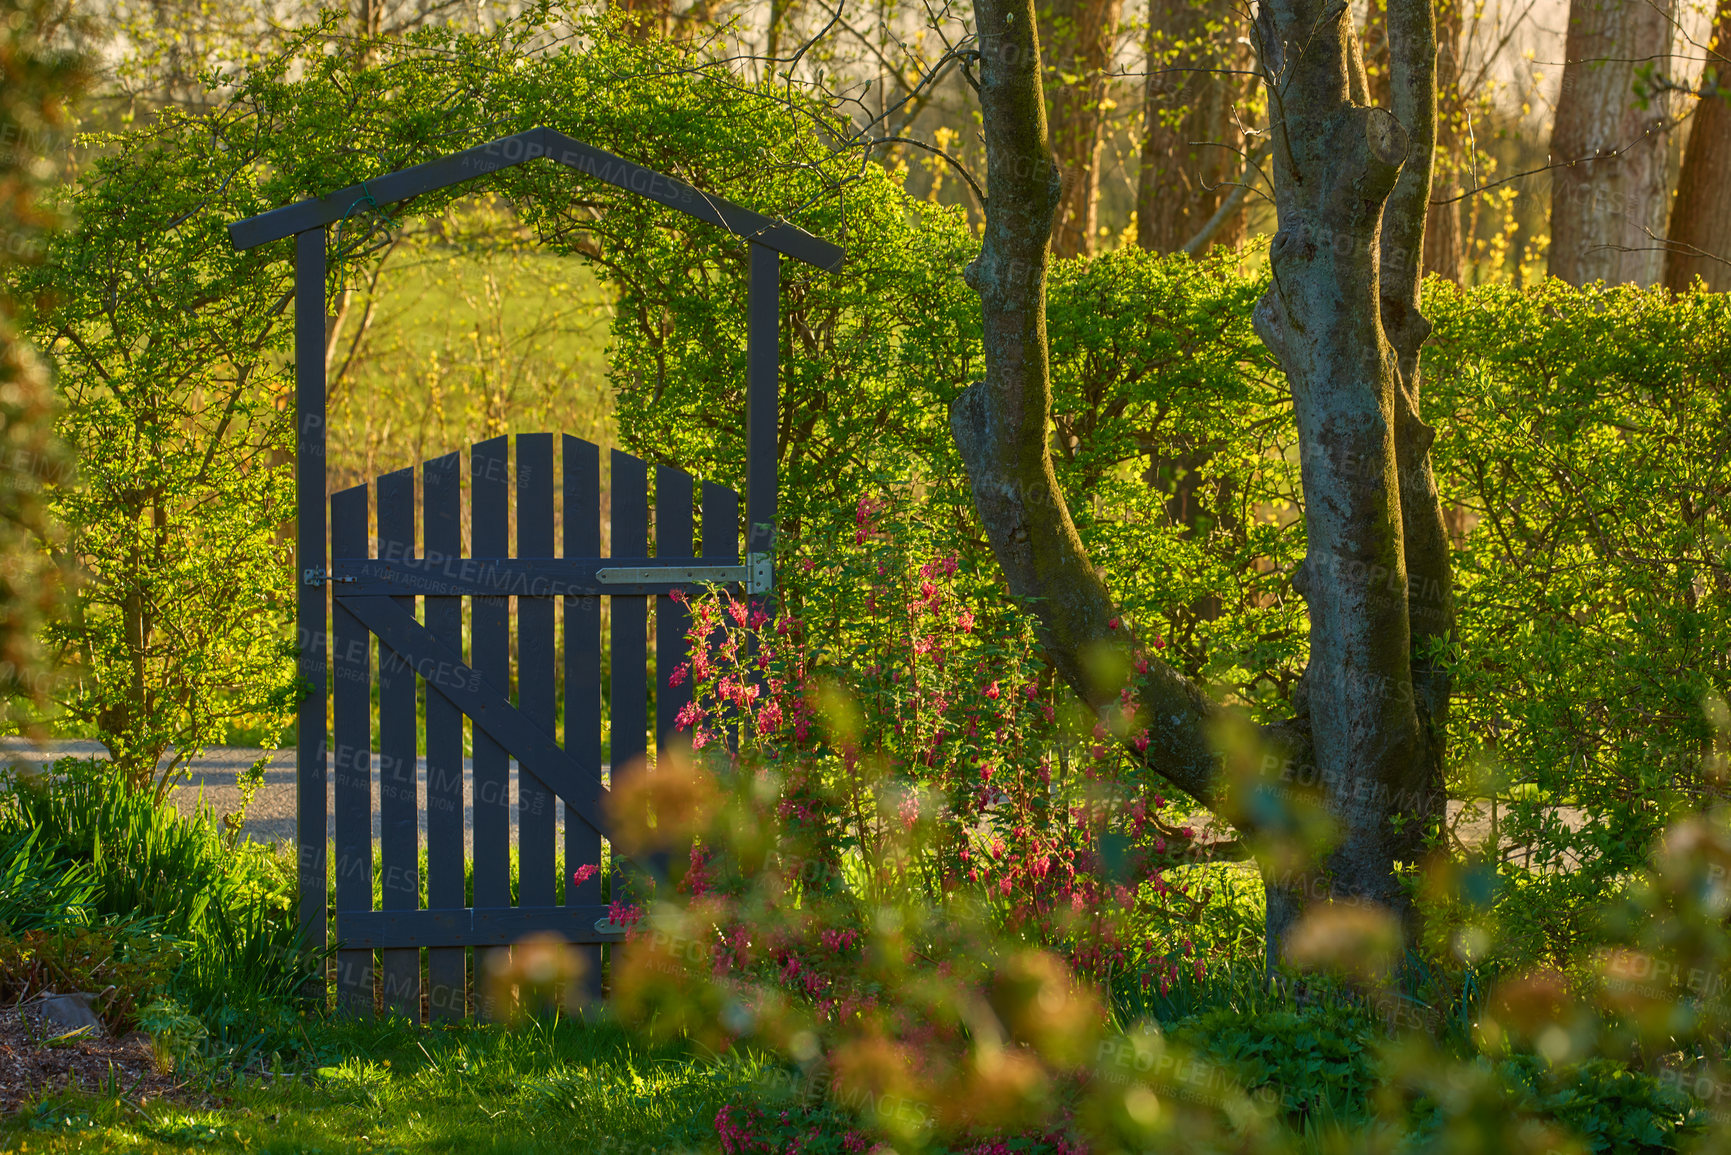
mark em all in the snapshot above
pixel 760 576
pixel 757 574
pixel 608 926
pixel 319 577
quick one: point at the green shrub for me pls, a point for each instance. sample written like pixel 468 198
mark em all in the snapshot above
pixel 39 891
pixel 1320 1060
pixel 179 910
pixel 1584 450
pixel 1610 1106
pixel 121 964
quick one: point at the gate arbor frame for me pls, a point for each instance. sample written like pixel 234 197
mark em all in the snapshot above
pixel 308 222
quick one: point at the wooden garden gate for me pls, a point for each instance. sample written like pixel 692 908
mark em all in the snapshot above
pixel 376 578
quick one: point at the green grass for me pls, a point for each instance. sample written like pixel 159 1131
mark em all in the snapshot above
pixel 545 1086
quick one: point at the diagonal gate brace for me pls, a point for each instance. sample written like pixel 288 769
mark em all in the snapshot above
pixel 442 668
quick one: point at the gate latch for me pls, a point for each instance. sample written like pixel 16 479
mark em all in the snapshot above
pixel 319 577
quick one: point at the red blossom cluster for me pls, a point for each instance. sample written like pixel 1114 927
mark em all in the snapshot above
pixel 949 770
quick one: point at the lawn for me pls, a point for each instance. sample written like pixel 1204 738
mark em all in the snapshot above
pixel 556 1085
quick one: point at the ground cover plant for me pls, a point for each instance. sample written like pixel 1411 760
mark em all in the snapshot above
pixel 913 886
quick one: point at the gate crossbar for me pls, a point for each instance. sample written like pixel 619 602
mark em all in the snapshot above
pixel 476 926
pixel 550 577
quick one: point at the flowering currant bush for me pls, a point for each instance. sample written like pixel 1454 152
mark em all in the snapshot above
pixel 898 711
pixel 894 843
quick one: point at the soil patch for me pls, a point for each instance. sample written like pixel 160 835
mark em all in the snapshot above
pixel 31 1065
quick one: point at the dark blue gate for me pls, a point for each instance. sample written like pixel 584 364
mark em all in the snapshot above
pixel 377 584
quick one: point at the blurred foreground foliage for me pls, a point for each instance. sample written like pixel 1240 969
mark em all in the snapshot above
pixel 927 883
pixel 797 895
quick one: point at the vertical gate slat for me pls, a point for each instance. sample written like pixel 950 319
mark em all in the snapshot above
pixel 490 642
pixel 581 472
pixel 720 521
pixel 630 722
pixel 352 762
pixel 673 491
pixel 536 691
pixel 399 803
pixel 442 495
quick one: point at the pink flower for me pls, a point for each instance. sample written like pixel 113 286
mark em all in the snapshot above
pixel 1140 741
pixel 1112 623
pixel 584 873
pixel 688 717
pixel 769 717
pixel 737 611
pixel 679 674
pixel 965 620
pixel 1159 642
pixel 992 691
pixel 677 595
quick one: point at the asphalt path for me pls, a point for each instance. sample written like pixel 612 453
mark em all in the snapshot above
pixel 271 816
pixel 212 781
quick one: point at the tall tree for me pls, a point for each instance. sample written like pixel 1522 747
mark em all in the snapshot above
pixel 654 18
pixel 1195 100
pixel 1609 144
pixel 1700 237
pixel 1082 35
pixel 1352 183
pixel 1444 245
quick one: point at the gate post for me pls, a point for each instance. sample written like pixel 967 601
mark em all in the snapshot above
pixel 310 567
pixel 762 401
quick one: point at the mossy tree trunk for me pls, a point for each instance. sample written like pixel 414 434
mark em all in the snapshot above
pixel 1352 185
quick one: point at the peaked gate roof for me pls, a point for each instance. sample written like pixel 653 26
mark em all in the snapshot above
pixel 510 151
